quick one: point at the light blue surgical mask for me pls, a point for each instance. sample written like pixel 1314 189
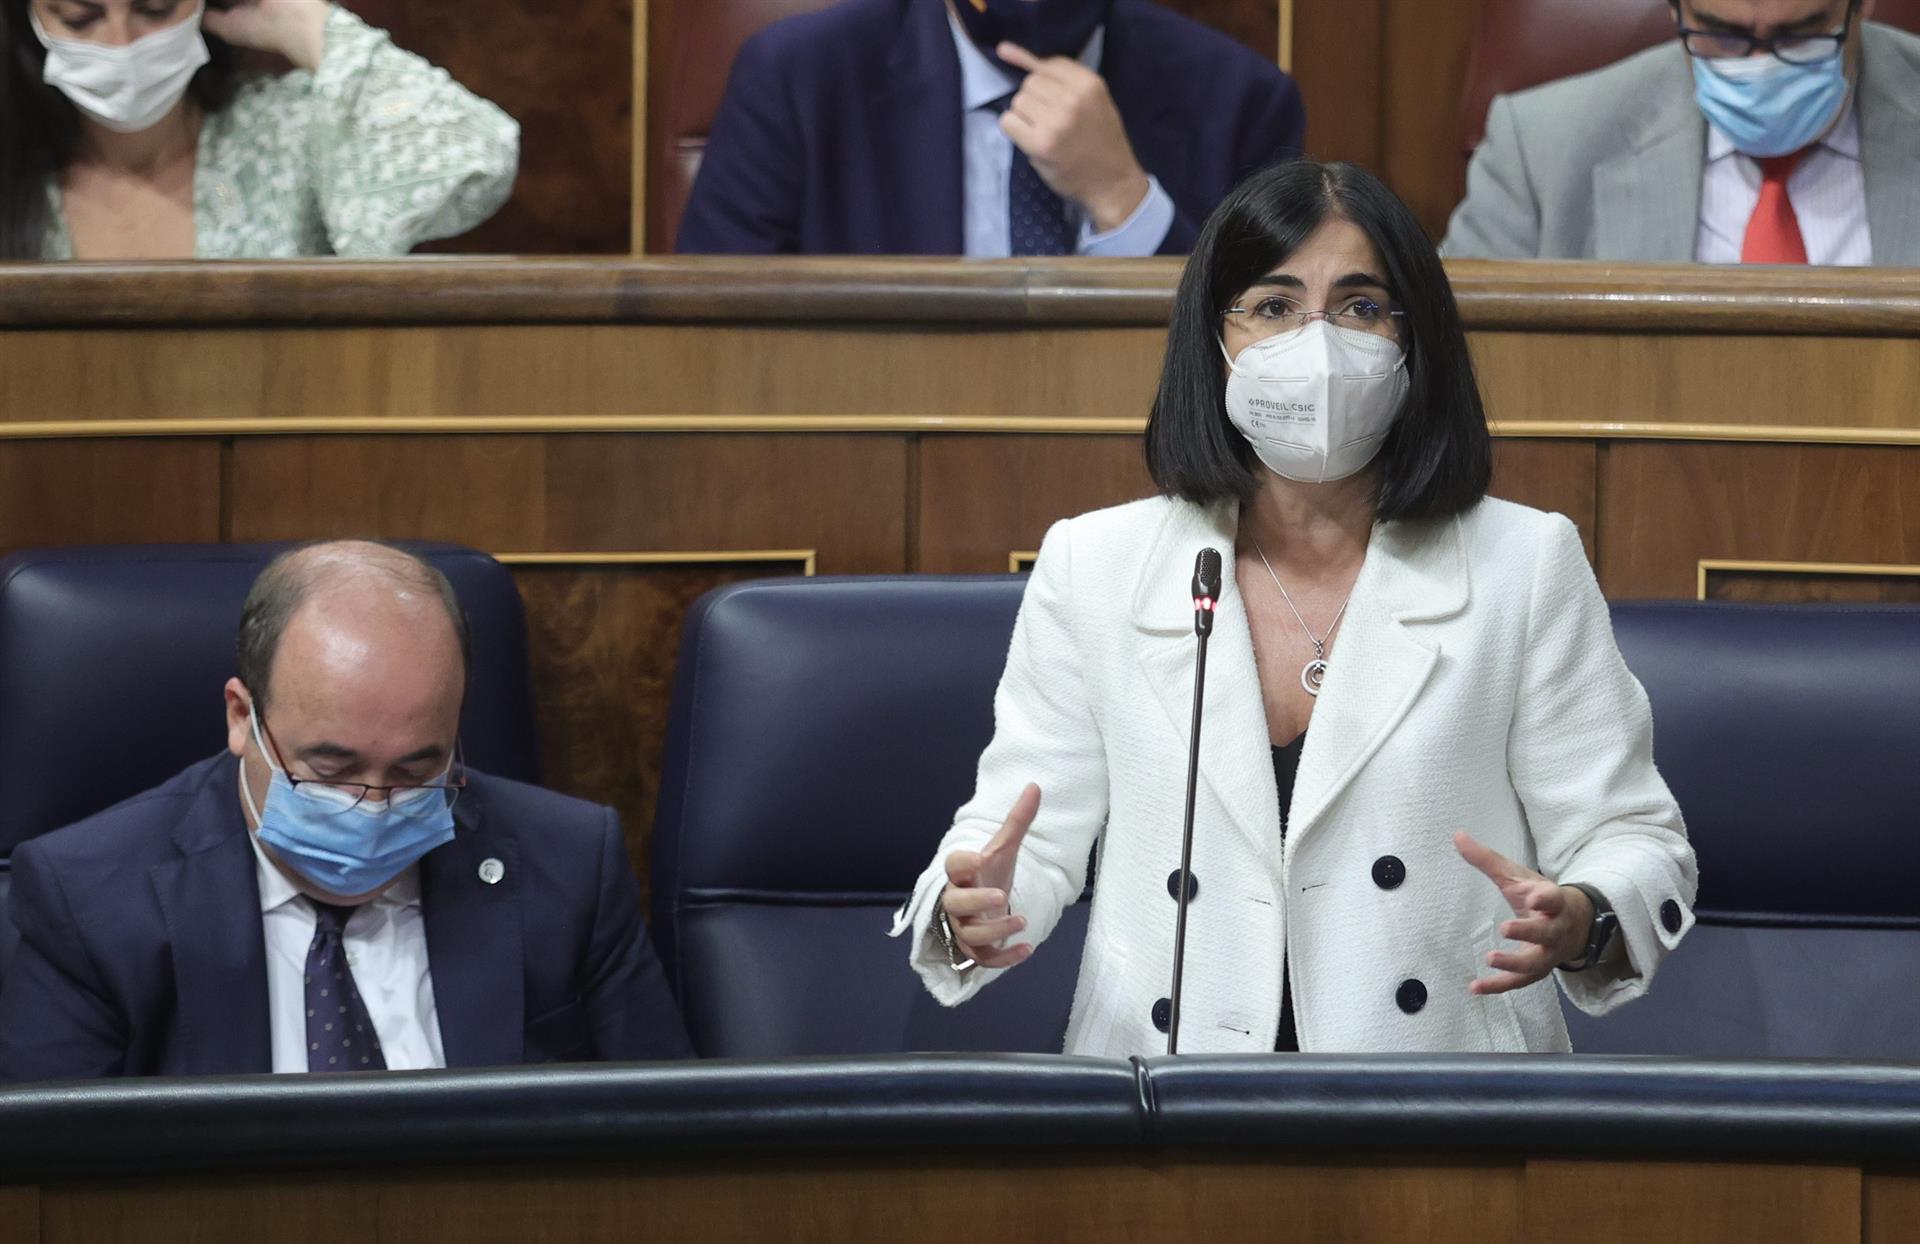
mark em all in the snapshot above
pixel 1768 107
pixel 343 847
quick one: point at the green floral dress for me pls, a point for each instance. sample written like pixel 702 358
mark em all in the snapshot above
pixel 371 155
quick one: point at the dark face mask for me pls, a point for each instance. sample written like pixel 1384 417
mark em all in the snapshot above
pixel 1043 27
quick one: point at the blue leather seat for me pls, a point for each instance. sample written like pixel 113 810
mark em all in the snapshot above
pixel 824 731
pixel 112 660
pixel 1790 735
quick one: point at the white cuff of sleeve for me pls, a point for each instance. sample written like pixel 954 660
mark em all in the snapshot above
pixel 1139 234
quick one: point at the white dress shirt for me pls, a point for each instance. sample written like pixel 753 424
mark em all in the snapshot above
pixel 386 944
pixel 987 164
pixel 1828 190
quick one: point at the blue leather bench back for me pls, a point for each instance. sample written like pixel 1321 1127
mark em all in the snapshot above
pixel 824 731
pixel 1790 735
pixel 112 661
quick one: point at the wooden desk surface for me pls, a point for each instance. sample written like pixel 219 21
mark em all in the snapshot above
pixel 1493 295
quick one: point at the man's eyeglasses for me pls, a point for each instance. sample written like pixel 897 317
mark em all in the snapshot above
pixel 1272 316
pixel 351 795
pixel 1798 49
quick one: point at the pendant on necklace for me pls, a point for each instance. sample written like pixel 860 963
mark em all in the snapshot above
pixel 1312 674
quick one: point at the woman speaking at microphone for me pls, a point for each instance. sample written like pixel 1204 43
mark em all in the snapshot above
pixel 1426 780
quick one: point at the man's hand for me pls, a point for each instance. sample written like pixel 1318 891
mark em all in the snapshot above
pixel 978 883
pixel 1065 120
pixel 1551 921
pixel 295 29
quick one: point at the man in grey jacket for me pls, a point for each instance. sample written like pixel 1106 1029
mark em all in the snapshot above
pixel 1768 131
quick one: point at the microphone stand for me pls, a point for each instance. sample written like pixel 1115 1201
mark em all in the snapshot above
pixel 1206 590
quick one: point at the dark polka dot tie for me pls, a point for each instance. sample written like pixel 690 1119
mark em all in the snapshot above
pixel 340 1037
pixel 1037 222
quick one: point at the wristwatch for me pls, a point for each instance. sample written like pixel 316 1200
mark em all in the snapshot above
pixel 956 958
pixel 1600 935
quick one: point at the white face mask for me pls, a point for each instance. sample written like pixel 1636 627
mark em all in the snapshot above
pixel 126 89
pixel 1317 403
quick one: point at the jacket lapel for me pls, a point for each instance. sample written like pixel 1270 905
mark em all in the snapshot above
pixel 1413 573
pixel 1380 663
pixel 1235 761
pixel 916 110
pixel 210 898
pixel 1646 203
pixel 1890 150
pixel 475 942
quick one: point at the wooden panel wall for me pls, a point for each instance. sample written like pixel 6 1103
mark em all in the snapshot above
pixel 565 72
pixel 1255 23
pixel 1382 82
pixel 1470 1198
pixel 1671 505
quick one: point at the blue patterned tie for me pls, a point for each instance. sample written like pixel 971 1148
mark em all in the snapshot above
pixel 340 1036
pixel 1037 221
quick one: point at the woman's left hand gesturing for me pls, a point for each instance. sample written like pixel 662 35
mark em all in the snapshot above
pixel 1551 922
pixel 295 29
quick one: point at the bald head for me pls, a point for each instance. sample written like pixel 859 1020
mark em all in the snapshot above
pixel 349 602
pixel 353 666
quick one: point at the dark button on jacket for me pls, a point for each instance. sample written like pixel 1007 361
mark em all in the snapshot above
pixel 1163 1014
pixel 1670 916
pixel 1389 872
pixel 1173 886
pixel 1412 995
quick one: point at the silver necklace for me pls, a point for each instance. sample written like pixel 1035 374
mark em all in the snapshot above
pixel 1314 672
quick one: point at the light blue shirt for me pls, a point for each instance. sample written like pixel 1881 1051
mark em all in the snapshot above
pixel 987 166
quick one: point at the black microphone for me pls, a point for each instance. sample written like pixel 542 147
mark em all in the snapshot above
pixel 1206 596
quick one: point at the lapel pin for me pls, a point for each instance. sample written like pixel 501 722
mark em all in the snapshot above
pixel 491 870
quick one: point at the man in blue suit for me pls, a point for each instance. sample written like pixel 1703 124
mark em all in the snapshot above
pixel 985 128
pixel 336 891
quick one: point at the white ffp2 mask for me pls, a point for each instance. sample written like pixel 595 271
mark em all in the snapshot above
pixel 1317 403
pixel 126 89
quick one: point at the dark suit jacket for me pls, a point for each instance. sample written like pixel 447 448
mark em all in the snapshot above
pixel 142 950
pixel 840 130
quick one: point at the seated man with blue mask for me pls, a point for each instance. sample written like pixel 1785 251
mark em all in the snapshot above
pixel 1767 131
pixel 335 891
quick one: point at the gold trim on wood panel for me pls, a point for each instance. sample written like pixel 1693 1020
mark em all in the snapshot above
pixel 1285 56
pixel 1022 559
pixel 411 425
pixel 808 558
pixel 1860 570
pixel 434 425
pixel 1675 431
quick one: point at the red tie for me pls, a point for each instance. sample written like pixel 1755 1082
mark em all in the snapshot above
pixel 1773 235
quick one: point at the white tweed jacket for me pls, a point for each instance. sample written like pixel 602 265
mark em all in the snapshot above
pixel 1475 685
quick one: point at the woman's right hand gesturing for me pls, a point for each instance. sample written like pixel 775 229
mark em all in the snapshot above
pixel 978 883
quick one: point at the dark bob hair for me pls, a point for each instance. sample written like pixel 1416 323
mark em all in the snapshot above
pixel 40 129
pixel 1437 460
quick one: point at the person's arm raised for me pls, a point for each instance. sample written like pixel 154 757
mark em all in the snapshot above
pixel 978 883
pixel 1065 119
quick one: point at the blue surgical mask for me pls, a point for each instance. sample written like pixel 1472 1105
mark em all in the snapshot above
pixel 1768 107
pixel 342 847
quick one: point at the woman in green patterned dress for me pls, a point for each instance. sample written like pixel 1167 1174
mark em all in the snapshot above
pixel 129 131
